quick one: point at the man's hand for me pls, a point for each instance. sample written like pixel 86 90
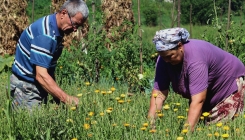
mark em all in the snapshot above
pixel 72 100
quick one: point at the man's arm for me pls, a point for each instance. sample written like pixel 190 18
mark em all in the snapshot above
pixel 48 83
pixel 195 109
pixel 156 103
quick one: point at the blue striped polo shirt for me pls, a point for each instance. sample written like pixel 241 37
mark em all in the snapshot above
pixel 40 44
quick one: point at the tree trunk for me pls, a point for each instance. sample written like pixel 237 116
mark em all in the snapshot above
pixel 228 24
pixel 179 12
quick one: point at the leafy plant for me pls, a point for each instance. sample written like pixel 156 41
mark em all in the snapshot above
pixel 6 63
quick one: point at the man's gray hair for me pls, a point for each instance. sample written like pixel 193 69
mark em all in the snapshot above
pixel 75 6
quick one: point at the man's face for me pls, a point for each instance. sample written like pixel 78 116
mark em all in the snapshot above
pixel 71 24
pixel 174 56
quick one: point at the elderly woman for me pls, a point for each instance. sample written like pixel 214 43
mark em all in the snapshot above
pixel 211 78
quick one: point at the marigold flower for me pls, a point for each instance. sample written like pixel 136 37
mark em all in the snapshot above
pixel 226 127
pixel 91 113
pixel 219 124
pixel 122 95
pixel 180 117
pixel 166 107
pixel 109 92
pixel 113 89
pixel 120 101
pixel 153 131
pixel 184 131
pixel 114 124
pixel 209 135
pixel 180 138
pixel 202 118
pixel 237 130
pixel 87 83
pixel 143 128
pixel 175 109
pixel 86 126
pixel 110 108
pixel 108 111
pixel 178 104
pixel 102 114
pixel 69 120
pixel 97 91
pixel 145 124
pixel 90 135
pixel 79 95
pixel 126 124
pixel 216 134
pixel 225 135
pixel 73 108
pixel 128 100
pixel 160 115
pixel 187 109
pixel 154 95
pixel 103 92
pixel 117 98
pixel 74 139
pixel 205 114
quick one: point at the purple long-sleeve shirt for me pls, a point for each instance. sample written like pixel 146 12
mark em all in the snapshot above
pixel 204 66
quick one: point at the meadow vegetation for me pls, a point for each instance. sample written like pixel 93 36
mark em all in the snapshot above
pixel 106 111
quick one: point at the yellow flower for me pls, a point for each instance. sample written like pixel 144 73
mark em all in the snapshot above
pixel 178 104
pixel 216 134
pixel 154 95
pixel 237 130
pixel 186 125
pixel 122 95
pixel 74 139
pixel 202 118
pixel 128 100
pixel 114 124
pixel 120 101
pixel 113 89
pixel 153 131
pixel 103 92
pixel 110 108
pixel 225 135
pixel 61 67
pixel 184 130
pixel 205 114
pixel 108 111
pixel 79 95
pixel 102 114
pixel 180 138
pixel 199 129
pixel 73 108
pixel 143 128
pixel 91 113
pixel 176 109
pixel 226 127
pixel 69 121
pixel 145 124
pixel 160 115
pixel 219 124
pixel 87 83
pixel 86 126
pixel 126 124
pixel 180 117
pixel 209 135
pixel 97 91
pixel 109 92
pixel 117 98
pixel 87 119
pixel 187 109
pixel 236 115
pixel 166 107
pixel 167 130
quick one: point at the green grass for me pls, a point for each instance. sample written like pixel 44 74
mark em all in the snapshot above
pixel 91 119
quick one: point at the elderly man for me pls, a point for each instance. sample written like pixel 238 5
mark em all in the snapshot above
pixel 37 52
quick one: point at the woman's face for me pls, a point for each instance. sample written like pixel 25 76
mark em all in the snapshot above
pixel 174 56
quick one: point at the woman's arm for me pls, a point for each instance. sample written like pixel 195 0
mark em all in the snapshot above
pixel 195 109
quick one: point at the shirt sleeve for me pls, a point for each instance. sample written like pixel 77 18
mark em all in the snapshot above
pixel 42 48
pixel 198 78
pixel 162 79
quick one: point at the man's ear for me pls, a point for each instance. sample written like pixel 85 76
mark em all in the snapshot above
pixel 180 46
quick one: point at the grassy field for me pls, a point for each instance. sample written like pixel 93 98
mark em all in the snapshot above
pixel 106 112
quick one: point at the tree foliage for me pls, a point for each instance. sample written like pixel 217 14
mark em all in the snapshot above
pixel 203 10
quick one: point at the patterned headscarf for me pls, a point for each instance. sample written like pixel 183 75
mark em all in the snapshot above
pixel 169 38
